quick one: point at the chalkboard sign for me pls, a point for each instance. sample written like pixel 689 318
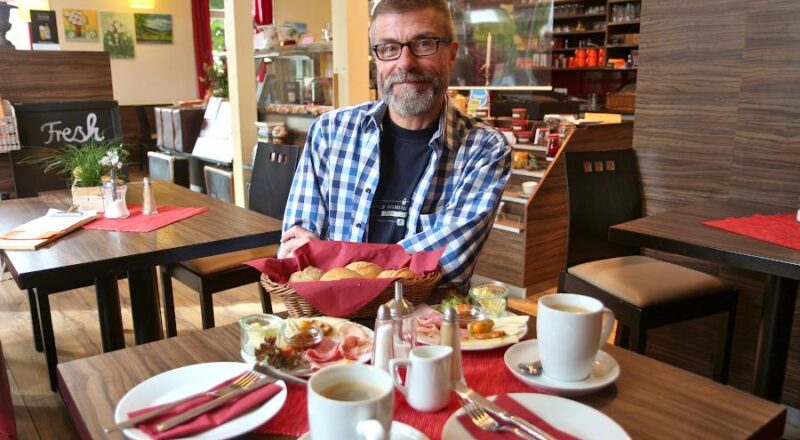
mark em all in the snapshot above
pixel 55 125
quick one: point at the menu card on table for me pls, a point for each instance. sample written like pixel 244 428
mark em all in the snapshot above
pixel 40 231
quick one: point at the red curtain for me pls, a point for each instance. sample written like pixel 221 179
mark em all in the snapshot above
pixel 201 24
pixel 262 12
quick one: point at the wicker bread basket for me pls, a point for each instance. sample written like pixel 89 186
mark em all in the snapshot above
pixel 416 290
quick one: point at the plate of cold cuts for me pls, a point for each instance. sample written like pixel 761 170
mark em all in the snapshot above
pixel 310 344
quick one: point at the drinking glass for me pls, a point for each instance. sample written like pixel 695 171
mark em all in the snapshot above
pixel 256 329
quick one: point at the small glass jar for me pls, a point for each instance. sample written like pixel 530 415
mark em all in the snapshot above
pixel 492 297
pixel 256 329
pixel 114 200
pixel 303 335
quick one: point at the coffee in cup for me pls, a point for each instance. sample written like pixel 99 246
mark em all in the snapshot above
pixel 571 329
pixel 350 401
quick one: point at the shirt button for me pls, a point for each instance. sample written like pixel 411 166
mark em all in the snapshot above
pixel 369 190
pixel 358 225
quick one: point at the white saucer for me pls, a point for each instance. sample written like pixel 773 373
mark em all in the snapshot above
pixel 605 371
pixel 572 417
pixel 400 431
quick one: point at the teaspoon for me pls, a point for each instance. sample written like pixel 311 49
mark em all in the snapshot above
pixel 530 368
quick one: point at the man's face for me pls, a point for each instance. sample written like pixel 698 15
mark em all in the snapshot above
pixel 412 85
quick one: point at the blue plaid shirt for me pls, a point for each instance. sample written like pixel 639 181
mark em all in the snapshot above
pixel 453 204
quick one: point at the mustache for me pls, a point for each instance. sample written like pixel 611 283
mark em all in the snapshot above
pixel 409 76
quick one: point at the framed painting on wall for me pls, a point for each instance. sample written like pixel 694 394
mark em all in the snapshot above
pixel 43 27
pixel 80 25
pixel 153 28
pixel 117 34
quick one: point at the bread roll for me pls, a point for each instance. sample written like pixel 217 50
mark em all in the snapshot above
pixel 310 273
pixel 339 273
pixel 398 273
pixel 365 268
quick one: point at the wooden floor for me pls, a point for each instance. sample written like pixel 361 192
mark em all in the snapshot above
pixel 40 412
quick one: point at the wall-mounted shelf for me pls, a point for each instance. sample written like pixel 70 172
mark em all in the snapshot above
pixel 530 147
pixel 538 174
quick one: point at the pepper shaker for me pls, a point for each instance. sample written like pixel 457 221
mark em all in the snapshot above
pixel 148 198
pixel 451 337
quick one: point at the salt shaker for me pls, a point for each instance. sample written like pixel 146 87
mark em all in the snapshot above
pixel 382 347
pixel 148 199
pixel 451 337
pixel 403 323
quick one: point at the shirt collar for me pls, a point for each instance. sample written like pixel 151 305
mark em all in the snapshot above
pixel 447 121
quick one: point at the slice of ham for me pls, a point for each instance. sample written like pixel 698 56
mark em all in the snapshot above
pixel 326 351
pixel 428 321
pixel 352 347
pixel 350 329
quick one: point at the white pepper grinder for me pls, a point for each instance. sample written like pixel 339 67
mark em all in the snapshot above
pixel 148 199
pixel 404 326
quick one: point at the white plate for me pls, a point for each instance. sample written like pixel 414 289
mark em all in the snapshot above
pixel 400 431
pixel 567 415
pixel 180 382
pixel 335 323
pixel 514 334
pixel 605 371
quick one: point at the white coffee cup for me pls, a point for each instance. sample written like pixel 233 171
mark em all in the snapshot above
pixel 427 387
pixel 350 401
pixel 571 329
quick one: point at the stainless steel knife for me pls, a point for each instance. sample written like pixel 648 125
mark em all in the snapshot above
pixel 467 393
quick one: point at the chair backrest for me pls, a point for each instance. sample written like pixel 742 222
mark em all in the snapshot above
pixel 219 183
pixel 167 167
pixel 273 171
pixel 8 425
pixel 603 190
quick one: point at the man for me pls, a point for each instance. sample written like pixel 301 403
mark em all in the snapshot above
pixel 409 168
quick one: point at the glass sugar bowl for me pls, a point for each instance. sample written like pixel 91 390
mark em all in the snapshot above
pixel 256 329
pixel 493 297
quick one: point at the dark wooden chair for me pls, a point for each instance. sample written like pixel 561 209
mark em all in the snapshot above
pixel 219 183
pixel 8 424
pixel 273 170
pixel 643 292
pixel 147 135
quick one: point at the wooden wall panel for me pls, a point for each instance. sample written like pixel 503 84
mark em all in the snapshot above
pixel 717 115
pixel 40 76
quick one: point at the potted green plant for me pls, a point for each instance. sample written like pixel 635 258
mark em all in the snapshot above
pixel 87 167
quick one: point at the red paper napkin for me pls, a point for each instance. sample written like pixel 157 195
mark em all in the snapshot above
pixel 229 411
pixel 511 405
pixel 780 229
pixel 144 223
pixel 485 372
pixel 344 297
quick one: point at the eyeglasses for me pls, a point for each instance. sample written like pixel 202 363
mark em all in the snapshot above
pixel 419 47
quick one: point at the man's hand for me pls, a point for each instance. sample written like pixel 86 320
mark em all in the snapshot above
pixel 292 239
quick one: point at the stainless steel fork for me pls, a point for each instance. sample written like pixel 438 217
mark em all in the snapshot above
pixel 242 382
pixel 483 420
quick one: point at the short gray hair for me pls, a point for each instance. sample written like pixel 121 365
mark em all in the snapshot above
pixel 400 6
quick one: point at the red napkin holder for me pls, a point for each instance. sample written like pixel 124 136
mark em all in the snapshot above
pixel 350 298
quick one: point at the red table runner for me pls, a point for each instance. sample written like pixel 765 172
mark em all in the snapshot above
pixel 485 372
pixel 780 229
pixel 144 223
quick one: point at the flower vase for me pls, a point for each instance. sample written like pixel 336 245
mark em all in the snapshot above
pixel 114 199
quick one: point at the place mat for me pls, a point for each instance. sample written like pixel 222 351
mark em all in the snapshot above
pixel 144 223
pixel 484 371
pixel 780 229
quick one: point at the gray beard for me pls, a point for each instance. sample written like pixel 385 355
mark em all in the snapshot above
pixel 409 101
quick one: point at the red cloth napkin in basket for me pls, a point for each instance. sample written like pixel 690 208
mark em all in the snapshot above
pixel 344 297
pixel 485 372
pixel 227 412
pixel 780 229
pixel 511 405
pixel 144 223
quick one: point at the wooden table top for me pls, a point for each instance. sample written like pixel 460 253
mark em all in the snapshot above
pixel 681 231
pixel 649 400
pixel 223 228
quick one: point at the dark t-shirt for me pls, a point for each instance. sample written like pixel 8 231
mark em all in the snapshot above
pixel 404 156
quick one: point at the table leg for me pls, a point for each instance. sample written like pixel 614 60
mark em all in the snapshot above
pixel 145 305
pixel 109 312
pixel 773 339
pixel 46 329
